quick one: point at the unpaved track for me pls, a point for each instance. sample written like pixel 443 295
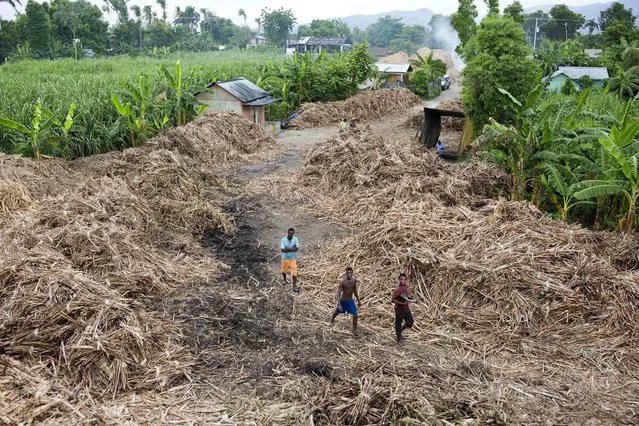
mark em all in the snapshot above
pixel 247 328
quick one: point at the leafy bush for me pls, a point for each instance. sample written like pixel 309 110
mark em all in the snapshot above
pixel 496 58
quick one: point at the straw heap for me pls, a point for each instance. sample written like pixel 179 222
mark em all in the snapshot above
pixel 88 245
pixel 365 106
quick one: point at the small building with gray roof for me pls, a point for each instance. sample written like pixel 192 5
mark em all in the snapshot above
pixel 239 95
pixel 556 80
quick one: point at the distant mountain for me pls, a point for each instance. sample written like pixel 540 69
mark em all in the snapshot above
pixel 590 11
pixel 415 17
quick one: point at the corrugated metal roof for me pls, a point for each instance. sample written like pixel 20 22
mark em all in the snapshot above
pixel 596 73
pixel 394 68
pixel 242 89
pixel 322 41
pixel 268 100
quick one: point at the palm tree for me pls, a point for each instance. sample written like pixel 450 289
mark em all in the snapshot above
pixel 258 21
pixel 147 14
pixel 432 67
pixel 625 83
pixel 191 18
pixel 138 14
pixel 592 26
pixel 243 15
pixel 162 4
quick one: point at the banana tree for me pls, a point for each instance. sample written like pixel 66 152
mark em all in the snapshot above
pixel 621 146
pixel 535 130
pixel 565 183
pixel 181 102
pixel 46 134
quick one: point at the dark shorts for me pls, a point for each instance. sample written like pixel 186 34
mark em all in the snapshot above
pixel 347 307
pixel 403 319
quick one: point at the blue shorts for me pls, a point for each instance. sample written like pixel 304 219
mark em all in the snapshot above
pixel 347 307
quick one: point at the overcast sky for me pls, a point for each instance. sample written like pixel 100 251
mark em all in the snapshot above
pixel 305 11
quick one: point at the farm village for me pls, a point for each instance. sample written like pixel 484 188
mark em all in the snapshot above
pixel 378 227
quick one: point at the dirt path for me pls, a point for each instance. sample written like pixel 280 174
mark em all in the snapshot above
pixel 246 328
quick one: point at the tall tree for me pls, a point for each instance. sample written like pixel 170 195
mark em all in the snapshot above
pixel 258 21
pixel 277 24
pixel 119 7
pixel 242 13
pixel 515 11
pixel 382 32
pixel 79 19
pixel 564 23
pixel 221 29
pixel 38 30
pixel 592 25
pixel 616 14
pixel 147 15
pixel 137 12
pixel 493 7
pixel 162 4
pixel 463 21
pixel 496 58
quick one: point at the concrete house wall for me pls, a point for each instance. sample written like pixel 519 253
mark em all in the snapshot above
pixel 219 100
pixel 557 82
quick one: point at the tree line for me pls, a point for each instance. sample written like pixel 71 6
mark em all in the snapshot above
pixel 76 28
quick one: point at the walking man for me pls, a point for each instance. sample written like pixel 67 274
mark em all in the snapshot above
pixel 403 315
pixel 345 304
pixel 289 247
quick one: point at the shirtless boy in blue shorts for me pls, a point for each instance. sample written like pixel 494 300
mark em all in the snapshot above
pixel 345 304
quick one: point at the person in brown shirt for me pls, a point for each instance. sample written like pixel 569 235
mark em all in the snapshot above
pixel 403 315
pixel 345 305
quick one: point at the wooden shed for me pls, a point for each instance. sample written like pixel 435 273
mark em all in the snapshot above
pixel 431 128
pixel 239 95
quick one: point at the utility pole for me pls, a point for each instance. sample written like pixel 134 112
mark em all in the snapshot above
pixel 566 25
pixel 75 47
pixel 535 36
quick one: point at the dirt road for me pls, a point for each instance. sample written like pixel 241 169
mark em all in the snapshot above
pixel 265 313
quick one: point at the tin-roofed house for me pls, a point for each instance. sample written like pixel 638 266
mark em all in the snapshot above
pixel 599 75
pixel 239 95
pixel 322 44
pixel 395 75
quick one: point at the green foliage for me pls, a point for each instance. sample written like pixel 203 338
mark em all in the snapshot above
pixel 277 24
pixel 625 83
pixel 616 14
pixel 515 11
pixel 44 135
pixel 493 7
pixel 325 28
pixel 38 30
pixel 586 82
pixel 382 32
pixel 423 85
pixel 575 157
pixel 89 84
pixel 564 23
pixel 497 58
pixel 463 21
pixel 568 88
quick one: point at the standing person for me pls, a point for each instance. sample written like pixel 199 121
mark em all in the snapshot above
pixel 403 315
pixel 346 289
pixel 289 247
pixel 343 125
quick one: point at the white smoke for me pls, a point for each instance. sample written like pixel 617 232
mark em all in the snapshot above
pixel 445 36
